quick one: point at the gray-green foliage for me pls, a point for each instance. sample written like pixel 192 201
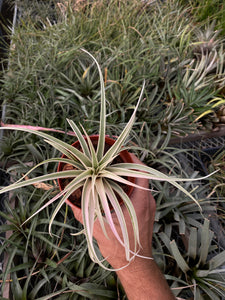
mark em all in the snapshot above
pixel 95 171
pixel 188 241
pixel 47 81
pixel 198 264
pixel 40 265
pixel 208 10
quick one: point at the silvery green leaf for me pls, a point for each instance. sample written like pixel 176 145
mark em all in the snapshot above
pixel 217 261
pixel 192 243
pixel 101 141
pixel 80 138
pixel 205 242
pixel 178 257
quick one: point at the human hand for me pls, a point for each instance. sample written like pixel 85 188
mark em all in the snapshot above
pixel 144 205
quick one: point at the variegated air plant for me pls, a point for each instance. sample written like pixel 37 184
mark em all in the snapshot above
pixel 99 178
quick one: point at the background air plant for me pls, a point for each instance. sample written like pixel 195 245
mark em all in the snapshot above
pixel 98 175
pixel 200 269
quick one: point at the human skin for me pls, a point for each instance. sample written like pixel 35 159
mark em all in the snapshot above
pixel 142 278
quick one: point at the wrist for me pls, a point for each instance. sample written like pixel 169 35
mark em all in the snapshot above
pixel 143 277
pixel 136 266
pixel 138 262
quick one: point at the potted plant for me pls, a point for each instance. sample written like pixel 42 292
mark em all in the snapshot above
pixel 97 171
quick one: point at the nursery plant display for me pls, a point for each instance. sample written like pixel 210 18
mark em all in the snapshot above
pixel 194 265
pixel 95 175
pixel 155 43
pixel 50 81
pixel 43 266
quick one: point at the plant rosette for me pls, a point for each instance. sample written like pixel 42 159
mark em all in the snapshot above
pixel 123 157
pixel 95 170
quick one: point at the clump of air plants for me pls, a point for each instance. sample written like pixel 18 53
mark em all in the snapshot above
pixel 94 170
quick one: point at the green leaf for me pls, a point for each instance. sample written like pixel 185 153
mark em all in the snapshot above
pixel 20 267
pixel 192 243
pixel 205 242
pixel 117 146
pixel 217 261
pixel 182 226
pixel 202 273
pixel 80 138
pixel 51 263
pixel 68 149
pixel 209 292
pixel 26 285
pixel 93 156
pixel 8 265
pixel 178 257
pixel 7 227
pixel 16 287
pixel 119 213
pixel 40 284
pixel 104 203
pixel 101 140
pixel 48 297
pixel 52 176
pixel 131 211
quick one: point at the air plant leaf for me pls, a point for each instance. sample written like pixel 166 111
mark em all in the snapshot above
pixel 127 202
pixel 52 176
pixel 94 158
pixel 116 147
pixel 104 201
pixel 178 257
pixel 68 149
pixel 217 261
pixel 87 203
pixel 80 137
pixel 101 141
pixel 192 245
pixel 118 211
pixel 206 236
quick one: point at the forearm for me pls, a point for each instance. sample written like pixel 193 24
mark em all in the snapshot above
pixel 144 278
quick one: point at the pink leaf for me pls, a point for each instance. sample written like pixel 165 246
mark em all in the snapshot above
pixel 36 128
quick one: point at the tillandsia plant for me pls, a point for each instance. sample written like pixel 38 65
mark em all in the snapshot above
pixel 94 171
pixel 199 267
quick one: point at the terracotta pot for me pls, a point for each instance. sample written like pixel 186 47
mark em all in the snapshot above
pixel 124 156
